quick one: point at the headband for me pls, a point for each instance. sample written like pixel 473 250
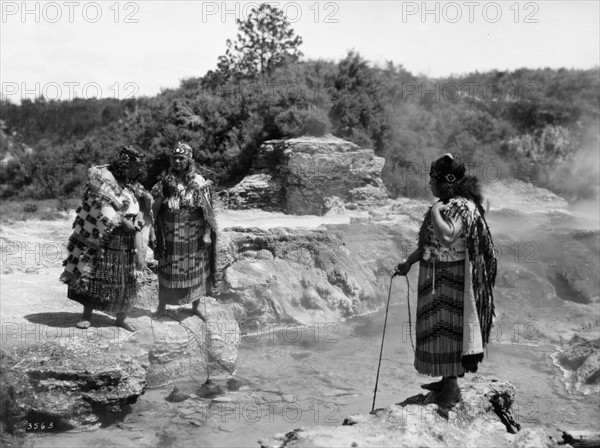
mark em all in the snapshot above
pixel 182 149
pixel 446 169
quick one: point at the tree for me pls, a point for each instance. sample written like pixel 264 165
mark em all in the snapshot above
pixel 357 112
pixel 265 41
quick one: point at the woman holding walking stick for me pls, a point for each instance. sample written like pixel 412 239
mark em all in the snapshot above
pixel 457 270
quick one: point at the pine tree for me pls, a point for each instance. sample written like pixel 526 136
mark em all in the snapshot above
pixel 265 41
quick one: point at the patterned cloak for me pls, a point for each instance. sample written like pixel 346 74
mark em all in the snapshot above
pixel 482 257
pixel 103 206
pixel 193 196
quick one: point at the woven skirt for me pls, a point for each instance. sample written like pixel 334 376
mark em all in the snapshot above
pixel 180 296
pixel 112 286
pixel 183 258
pixel 439 327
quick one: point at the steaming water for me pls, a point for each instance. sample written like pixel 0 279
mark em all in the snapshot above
pixel 318 376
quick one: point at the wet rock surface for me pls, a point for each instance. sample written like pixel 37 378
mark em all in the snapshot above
pixel 297 275
pixel 482 418
pixel 301 276
pixel 74 384
pixel 581 364
pixel 187 348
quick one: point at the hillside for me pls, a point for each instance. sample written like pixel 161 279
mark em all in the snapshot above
pixel 532 125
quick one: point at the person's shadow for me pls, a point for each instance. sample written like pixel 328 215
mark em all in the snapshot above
pixel 64 319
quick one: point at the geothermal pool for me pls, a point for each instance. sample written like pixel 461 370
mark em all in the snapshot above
pixel 317 376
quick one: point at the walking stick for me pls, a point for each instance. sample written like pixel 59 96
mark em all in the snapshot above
pixel 383 336
pixel 208 381
pixel 382 339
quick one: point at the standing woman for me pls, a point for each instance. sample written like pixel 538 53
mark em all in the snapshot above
pixel 457 271
pixel 185 229
pixel 101 267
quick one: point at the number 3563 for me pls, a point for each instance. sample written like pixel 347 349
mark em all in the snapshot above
pixel 39 426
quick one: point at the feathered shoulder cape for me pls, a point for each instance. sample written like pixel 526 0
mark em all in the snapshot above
pixel 193 192
pixel 479 243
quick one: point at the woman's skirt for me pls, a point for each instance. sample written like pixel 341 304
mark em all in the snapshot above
pixel 183 258
pixel 180 296
pixel 112 285
pixel 439 327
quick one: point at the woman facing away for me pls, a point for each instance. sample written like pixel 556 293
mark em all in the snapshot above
pixel 457 271
pixel 101 267
pixel 185 231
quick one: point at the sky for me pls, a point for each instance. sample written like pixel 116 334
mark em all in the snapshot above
pixel 68 49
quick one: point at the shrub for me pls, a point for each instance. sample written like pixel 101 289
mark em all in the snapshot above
pixel 316 122
pixel 30 207
pixel 295 122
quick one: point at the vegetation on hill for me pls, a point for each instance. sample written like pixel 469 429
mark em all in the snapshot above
pixel 535 125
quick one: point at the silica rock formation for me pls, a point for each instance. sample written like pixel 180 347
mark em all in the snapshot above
pixel 310 176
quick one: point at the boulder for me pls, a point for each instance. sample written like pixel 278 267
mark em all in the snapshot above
pixel 259 190
pixel 304 276
pixel 581 365
pixel 301 176
pixel 180 344
pixel 482 418
pixel 186 348
pixel 73 383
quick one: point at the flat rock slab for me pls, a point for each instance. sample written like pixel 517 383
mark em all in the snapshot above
pixel 185 348
pixel 74 384
pixel 482 418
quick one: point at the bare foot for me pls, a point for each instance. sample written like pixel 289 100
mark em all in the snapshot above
pixel 448 396
pixel 83 324
pixel 435 386
pixel 126 325
pixel 159 313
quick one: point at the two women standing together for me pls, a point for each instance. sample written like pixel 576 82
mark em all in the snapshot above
pixel 103 265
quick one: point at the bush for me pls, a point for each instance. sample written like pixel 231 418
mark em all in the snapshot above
pixel 30 207
pixel 295 122
pixel 290 122
pixel 316 123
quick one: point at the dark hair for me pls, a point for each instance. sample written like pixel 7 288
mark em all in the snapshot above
pixel 120 167
pixel 128 156
pixel 468 187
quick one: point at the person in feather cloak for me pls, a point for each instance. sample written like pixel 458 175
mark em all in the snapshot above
pixel 185 232
pixel 103 264
pixel 457 271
